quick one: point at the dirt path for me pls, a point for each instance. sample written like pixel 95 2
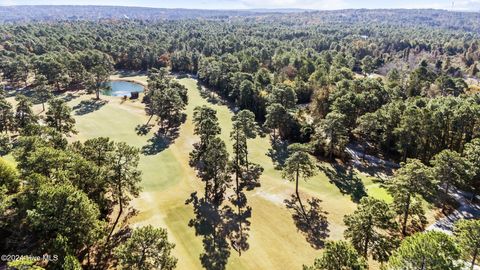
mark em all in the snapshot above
pixel 467 210
pixel 370 164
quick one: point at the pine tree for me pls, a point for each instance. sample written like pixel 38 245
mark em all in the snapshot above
pixel 467 235
pixel 428 250
pixel 298 165
pixel 366 228
pixel 412 181
pixel 339 255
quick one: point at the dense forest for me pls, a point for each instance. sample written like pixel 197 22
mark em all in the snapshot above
pixel 401 85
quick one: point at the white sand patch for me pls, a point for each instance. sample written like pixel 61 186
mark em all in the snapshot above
pixel 274 198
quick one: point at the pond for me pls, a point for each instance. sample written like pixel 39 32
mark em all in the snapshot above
pixel 122 88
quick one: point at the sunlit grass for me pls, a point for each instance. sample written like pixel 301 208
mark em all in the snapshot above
pixel 375 189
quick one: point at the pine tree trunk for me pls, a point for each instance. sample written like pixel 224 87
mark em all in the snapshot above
pixel 367 239
pixel 207 184
pixel 120 211
pixel 365 247
pixel 405 217
pixel 88 257
pixel 149 119
pixel 444 203
pixel 237 168
pixel 246 155
pixel 474 259
pixel 364 151
pixel 298 197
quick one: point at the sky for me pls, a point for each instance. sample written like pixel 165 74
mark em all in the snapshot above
pixel 471 5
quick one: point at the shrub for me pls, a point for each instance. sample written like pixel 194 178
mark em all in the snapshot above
pixel 5 144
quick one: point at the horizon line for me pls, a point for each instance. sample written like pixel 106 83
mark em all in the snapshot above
pixel 239 9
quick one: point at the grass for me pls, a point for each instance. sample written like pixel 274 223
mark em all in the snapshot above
pixel 168 181
pixel 375 189
pixel 9 159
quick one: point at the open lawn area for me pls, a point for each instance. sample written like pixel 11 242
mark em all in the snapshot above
pixel 168 181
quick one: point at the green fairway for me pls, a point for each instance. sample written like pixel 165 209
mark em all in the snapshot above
pixel 375 189
pixel 168 181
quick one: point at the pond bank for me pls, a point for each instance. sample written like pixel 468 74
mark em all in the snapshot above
pixel 131 80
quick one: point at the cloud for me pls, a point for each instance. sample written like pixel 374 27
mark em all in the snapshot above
pixel 306 4
pixel 7 3
pixel 467 5
pixel 461 5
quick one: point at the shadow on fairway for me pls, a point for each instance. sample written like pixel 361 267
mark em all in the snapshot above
pixel 278 152
pixel 211 96
pixel 88 106
pixel 346 181
pixel 143 130
pixel 209 223
pixel 68 97
pixel 160 141
pixel 311 222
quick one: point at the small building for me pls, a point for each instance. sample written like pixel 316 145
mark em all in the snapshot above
pixel 134 95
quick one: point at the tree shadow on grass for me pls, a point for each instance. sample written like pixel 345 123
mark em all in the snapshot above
pixel 29 93
pixel 88 106
pixel 160 141
pixel 143 130
pixel 379 171
pixel 210 95
pixel 67 98
pixel 372 165
pixel 23 91
pixel 278 152
pixel 11 92
pixel 312 223
pixel 209 223
pixel 346 181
